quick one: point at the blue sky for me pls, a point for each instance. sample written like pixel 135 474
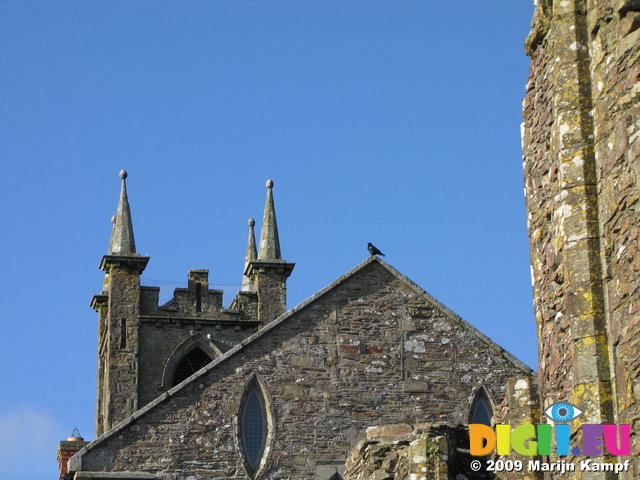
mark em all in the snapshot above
pixel 395 122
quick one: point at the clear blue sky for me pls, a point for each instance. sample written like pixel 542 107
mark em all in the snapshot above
pixel 395 122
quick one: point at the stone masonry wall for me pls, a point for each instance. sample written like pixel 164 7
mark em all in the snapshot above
pixel 581 166
pixel 419 452
pixel 118 350
pixel 193 312
pixel 131 372
pixel 372 350
pixel 400 451
pixel 159 341
pixel 615 60
pixel 441 451
pixel 521 407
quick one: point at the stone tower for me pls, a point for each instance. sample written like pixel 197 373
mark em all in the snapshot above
pixel 118 309
pixel 145 349
pixel 269 272
pixel 581 148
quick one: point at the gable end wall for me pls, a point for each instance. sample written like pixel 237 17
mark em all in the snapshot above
pixel 370 351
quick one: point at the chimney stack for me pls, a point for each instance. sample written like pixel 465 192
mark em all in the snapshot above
pixel 68 449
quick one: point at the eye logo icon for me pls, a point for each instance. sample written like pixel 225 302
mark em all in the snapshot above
pixel 563 412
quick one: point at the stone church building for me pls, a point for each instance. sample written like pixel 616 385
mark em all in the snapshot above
pixel 194 390
pixel 371 372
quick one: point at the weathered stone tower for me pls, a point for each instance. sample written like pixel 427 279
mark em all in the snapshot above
pixel 145 349
pixel 118 308
pixel 581 147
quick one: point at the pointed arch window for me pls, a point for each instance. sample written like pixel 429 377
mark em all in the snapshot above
pixel 481 411
pixel 254 429
pixel 187 358
pixel 190 364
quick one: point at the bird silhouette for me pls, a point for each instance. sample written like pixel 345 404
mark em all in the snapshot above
pixel 373 250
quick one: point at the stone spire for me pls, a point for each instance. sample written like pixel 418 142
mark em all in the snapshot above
pixel 122 242
pixel 118 308
pixel 269 241
pixel 249 257
pixel 268 274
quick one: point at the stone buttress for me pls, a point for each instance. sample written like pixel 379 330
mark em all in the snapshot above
pixel 581 146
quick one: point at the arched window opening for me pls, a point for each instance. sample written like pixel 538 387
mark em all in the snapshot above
pixel 253 427
pixel 481 411
pixel 190 364
pixel 336 476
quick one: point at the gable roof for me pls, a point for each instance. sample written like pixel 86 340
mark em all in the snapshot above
pixel 75 463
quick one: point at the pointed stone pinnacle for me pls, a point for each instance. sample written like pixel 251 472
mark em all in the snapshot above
pixel 122 241
pixel 249 257
pixel 269 240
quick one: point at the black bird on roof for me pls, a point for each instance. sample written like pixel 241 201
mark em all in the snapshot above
pixel 373 250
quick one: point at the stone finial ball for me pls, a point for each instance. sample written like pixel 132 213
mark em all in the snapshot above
pixel 252 222
pixel 113 219
pixel 269 183
pixel 123 174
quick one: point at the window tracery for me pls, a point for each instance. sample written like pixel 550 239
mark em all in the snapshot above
pixel 190 364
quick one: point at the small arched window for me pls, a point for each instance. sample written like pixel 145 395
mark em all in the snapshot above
pixel 190 364
pixel 481 411
pixel 253 427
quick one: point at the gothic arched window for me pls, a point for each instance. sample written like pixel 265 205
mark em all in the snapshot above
pixel 190 364
pixel 187 358
pixel 253 426
pixel 481 411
